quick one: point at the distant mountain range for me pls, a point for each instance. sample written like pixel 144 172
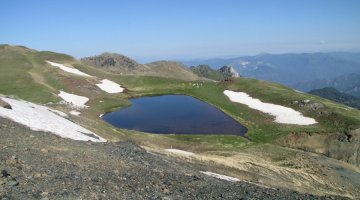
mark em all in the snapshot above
pixel 348 83
pixel 305 71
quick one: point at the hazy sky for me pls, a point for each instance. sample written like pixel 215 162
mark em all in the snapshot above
pixel 181 29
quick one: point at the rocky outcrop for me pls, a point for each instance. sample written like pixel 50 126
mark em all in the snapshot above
pixel 207 72
pixel 3 104
pixel 115 63
pixel 308 105
pixel 229 72
pixel 221 74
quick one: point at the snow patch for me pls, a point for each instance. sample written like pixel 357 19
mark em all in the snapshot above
pixel 74 112
pixel 41 118
pixel 220 176
pixel 348 108
pixel 298 91
pixel 282 114
pixel 77 101
pixel 110 86
pixel 234 72
pixel 178 151
pixel 244 63
pixel 68 69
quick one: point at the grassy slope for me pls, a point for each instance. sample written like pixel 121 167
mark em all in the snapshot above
pixel 261 127
pixel 44 84
pixel 171 70
pixel 15 78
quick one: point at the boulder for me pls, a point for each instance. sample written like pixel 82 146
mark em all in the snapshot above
pixel 3 104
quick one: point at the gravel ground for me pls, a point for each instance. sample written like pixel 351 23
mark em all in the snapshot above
pixel 37 165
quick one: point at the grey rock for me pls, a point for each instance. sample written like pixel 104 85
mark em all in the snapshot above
pixel 12 183
pixel 3 104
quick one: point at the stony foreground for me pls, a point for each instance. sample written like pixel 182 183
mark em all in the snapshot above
pixel 36 165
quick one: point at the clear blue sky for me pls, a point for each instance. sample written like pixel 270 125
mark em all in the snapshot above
pixel 181 29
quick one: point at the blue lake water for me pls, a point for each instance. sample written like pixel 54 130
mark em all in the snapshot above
pixel 174 114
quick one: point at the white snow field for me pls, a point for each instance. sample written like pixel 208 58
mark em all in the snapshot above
pixel 282 114
pixel 41 118
pixel 220 176
pixel 75 100
pixel 181 152
pixel 68 69
pixel 110 86
pixel 74 112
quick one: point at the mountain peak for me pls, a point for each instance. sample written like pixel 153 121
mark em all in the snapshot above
pixel 115 63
